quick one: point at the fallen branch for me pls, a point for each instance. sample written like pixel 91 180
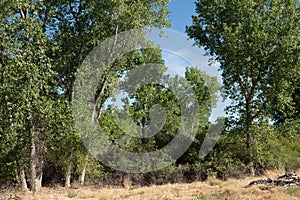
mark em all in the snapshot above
pixel 288 179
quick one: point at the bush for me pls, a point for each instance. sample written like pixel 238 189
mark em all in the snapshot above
pixel 275 148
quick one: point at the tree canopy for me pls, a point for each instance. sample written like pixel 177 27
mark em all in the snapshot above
pixel 257 46
pixel 44 44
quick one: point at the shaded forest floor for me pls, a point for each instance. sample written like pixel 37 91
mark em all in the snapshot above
pixel 211 189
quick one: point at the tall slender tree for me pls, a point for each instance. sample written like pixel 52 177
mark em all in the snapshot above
pixel 39 36
pixel 27 80
pixel 84 24
pixel 257 45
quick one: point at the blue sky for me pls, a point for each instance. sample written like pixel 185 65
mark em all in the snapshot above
pixel 178 50
pixel 181 12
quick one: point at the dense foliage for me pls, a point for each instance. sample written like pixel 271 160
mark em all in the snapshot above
pixel 257 46
pixel 43 43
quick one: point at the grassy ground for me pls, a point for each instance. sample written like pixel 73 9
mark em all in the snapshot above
pixel 209 190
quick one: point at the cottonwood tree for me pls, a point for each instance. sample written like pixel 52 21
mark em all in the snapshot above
pixel 145 99
pixel 129 127
pixel 46 38
pixel 82 25
pixel 27 81
pixel 257 46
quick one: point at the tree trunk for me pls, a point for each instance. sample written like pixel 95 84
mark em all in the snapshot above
pixel 21 179
pixel 97 99
pixel 69 170
pixel 250 139
pixel 83 170
pixel 36 159
pixel 250 144
pixel 82 174
pixel 35 169
pixel 68 176
pixel 23 182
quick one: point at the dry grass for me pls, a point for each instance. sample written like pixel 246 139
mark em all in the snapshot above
pixel 210 190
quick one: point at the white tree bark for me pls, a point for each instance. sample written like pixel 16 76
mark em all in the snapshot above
pixel 82 174
pixel 36 158
pixel 68 176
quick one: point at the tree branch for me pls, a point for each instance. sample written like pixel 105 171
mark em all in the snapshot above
pixel 22 13
pixel 45 19
pixel 241 84
pixel 259 110
pixel 2 55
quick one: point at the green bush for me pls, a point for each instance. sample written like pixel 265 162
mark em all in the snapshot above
pixel 274 148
